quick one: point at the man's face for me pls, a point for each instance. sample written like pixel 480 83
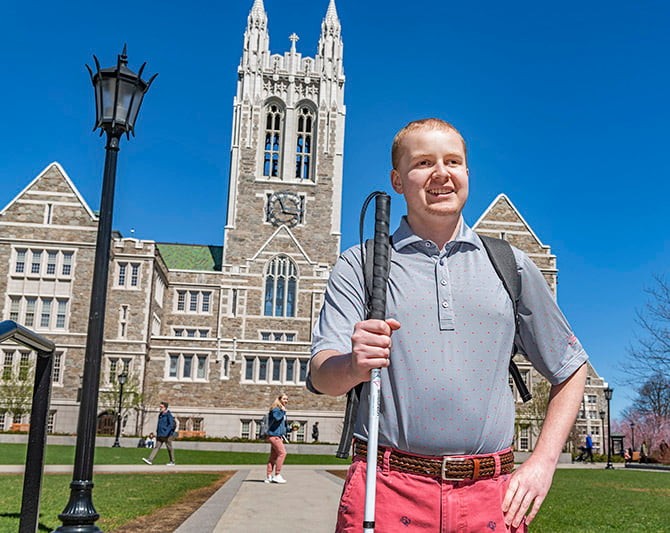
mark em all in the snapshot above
pixel 432 174
pixel 162 407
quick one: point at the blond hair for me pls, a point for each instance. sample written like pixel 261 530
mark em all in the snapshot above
pixel 277 402
pixel 421 124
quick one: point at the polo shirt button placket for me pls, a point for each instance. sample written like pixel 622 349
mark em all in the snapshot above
pixel 445 309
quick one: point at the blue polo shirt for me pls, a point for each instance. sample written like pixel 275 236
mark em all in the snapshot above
pixel 446 391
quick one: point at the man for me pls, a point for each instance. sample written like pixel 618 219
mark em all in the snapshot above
pixel 446 408
pixel 589 448
pixel 586 450
pixel 644 452
pixel 315 431
pixel 164 433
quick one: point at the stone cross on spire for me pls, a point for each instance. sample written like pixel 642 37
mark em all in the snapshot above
pixel 294 39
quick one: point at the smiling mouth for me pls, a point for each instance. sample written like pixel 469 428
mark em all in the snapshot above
pixel 440 192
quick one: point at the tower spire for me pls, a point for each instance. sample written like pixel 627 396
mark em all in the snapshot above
pixel 331 14
pixel 258 9
pixel 256 38
pixel 330 42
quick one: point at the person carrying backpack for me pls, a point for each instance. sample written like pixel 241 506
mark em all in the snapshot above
pixel 277 430
pixel 164 434
pixel 446 421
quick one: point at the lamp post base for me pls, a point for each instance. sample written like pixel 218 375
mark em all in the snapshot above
pixel 609 466
pixel 79 515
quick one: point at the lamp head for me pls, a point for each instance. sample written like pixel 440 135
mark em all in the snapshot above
pixel 118 96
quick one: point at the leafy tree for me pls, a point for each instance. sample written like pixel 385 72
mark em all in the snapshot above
pixel 536 409
pixel 132 397
pixel 16 391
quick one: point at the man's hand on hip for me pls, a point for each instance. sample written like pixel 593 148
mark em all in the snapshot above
pixel 527 490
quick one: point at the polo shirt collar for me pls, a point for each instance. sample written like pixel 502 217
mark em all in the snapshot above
pixel 405 236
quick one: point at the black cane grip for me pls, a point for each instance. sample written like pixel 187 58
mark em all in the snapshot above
pixel 381 259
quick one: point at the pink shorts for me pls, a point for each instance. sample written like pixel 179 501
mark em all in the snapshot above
pixel 409 502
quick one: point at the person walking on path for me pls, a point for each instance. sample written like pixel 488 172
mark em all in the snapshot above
pixel 588 448
pixel 644 452
pixel 446 424
pixel 586 451
pixel 164 434
pixel 276 435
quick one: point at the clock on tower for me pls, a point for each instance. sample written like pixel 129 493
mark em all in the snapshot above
pixel 285 208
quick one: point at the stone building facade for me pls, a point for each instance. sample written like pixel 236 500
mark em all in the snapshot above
pixel 218 331
pixel 504 221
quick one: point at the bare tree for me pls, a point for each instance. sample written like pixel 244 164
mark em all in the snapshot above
pixel 651 353
pixel 651 411
pixel 653 397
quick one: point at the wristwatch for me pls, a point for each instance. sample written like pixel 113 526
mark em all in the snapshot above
pixel 285 208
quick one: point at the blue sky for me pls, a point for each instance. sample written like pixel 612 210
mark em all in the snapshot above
pixel 564 107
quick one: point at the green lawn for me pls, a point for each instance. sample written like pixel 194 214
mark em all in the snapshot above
pixel 581 500
pixel 15 454
pixel 594 501
pixel 117 498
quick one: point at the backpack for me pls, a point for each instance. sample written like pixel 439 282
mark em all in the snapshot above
pixel 264 427
pixel 504 263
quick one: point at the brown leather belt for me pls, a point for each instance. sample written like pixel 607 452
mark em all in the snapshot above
pixel 448 468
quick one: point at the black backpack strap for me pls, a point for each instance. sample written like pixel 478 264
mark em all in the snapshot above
pixel 504 263
pixel 350 411
pixel 354 395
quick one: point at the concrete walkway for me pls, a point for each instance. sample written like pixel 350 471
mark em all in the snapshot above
pixel 307 502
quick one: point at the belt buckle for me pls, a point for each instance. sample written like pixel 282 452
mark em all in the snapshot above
pixel 447 459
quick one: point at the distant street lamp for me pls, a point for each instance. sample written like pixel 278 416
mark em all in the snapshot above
pixel 608 397
pixel 602 432
pixel 122 381
pixel 632 435
pixel 118 97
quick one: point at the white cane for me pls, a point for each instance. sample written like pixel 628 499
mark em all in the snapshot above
pixel 377 310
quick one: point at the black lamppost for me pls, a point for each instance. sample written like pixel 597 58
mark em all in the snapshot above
pixel 632 435
pixel 122 381
pixel 118 97
pixel 608 397
pixel 602 430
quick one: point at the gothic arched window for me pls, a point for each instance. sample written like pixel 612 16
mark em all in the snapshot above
pixel 304 143
pixel 281 280
pixel 273 141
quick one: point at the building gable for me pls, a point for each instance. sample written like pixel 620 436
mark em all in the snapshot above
pixel 51 198
pixel 503 220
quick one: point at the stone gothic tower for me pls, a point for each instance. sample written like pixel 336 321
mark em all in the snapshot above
pixel 287 144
